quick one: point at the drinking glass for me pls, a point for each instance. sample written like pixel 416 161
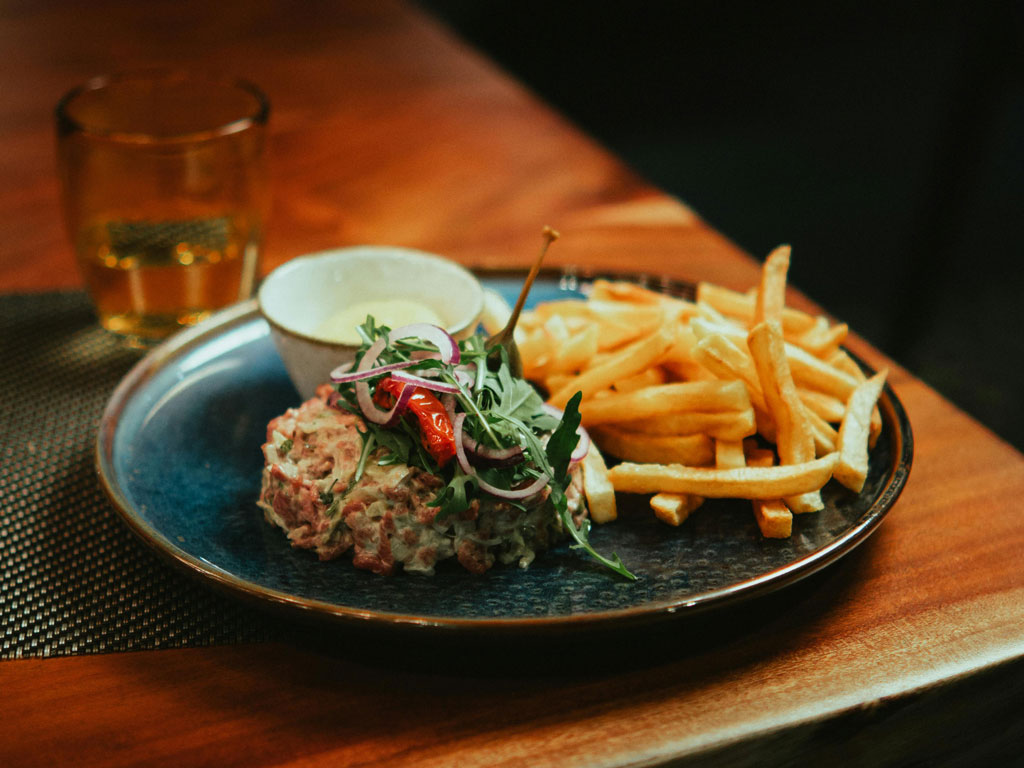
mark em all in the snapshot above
pixel 164 188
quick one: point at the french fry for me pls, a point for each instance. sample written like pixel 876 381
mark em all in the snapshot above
pixel 626 362
pixel 686 371
pixel 771 297
pixel 557 329
pixel 741 306
pixel 573 353
pixel 721 425
pixel 647 378
pixel 691 450
pixel 681 350
pixel 617 323
pixel 598 488
pixel 823 338
pixel 823 434
pixel 563 307
pixel 664 399
pixel 807 370
pixel 535 352
pixel 729 454
pixel 674 508
pixel 606 290
pixel 773 517
pixel 854 432
pixel 635 294
pixel 793 434
pixel 813 373
pixel 709 314
pixel 748 482
pixel 843 362
pixel 829 408
pixel 558 380
pixel 727 360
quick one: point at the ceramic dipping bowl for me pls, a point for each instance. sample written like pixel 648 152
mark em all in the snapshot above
pixel 301 295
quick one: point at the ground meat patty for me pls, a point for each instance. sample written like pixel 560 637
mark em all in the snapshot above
pixel 311 455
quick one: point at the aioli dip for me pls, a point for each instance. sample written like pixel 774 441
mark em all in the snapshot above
pixel 340 327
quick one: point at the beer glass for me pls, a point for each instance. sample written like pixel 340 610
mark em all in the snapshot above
pixel 164 189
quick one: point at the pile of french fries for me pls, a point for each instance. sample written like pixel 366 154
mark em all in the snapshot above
pixel 732 395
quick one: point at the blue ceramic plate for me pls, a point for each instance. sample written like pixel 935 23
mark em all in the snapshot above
pixel 179 453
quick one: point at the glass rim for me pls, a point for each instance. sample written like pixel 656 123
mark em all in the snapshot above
pixel 66 123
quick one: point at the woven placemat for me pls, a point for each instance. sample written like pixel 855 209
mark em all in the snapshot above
pixel 73 579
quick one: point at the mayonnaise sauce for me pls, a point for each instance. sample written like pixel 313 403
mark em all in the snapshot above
pixel 340 327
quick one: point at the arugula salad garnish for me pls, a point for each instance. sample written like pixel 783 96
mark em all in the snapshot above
pixel 431 402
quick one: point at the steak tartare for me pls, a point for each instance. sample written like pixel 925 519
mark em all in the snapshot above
pixel 310 489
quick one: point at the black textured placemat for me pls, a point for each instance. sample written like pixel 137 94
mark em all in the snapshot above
pixel 73 579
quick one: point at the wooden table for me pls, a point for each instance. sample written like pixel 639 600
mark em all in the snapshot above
pixel 386 129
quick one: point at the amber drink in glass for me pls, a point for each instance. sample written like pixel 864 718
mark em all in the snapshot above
pixel 164 187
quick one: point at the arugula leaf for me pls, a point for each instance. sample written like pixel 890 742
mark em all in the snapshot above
pixel 560 447
pixel 564 439
pixel 368 442
pixel 455 497
pixel 581 536
pixel 397 444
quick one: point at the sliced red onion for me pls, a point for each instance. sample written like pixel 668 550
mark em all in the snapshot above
pixel 371 355
pixel 363 397
pixel 552 411
pixel 375 414
pixel 495 457
pixel 342 376
pixel 460 449
pixel 440 338
pixel 419 381
pixel 582 444
pixel 582 447
pixel 532 489
pixel 448 401
pixel 464 378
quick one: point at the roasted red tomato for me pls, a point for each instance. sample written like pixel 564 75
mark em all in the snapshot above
pixel 436 431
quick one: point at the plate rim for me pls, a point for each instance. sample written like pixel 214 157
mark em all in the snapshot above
pixel 143 371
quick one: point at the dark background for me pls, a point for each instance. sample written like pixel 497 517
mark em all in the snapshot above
pixel 884 141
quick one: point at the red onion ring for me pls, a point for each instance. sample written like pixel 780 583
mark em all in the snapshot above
pixel 439 337
pixel 448 401
pixel 532 489
pixel 375 414
pixel 366 405
pixel 582 447
pixel 419 381
pixel 502 493
pixel 460 449
pixel 495 457
pixel 342 374
pixel 582 444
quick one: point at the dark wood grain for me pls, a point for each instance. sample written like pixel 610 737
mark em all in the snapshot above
pixel 385 129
